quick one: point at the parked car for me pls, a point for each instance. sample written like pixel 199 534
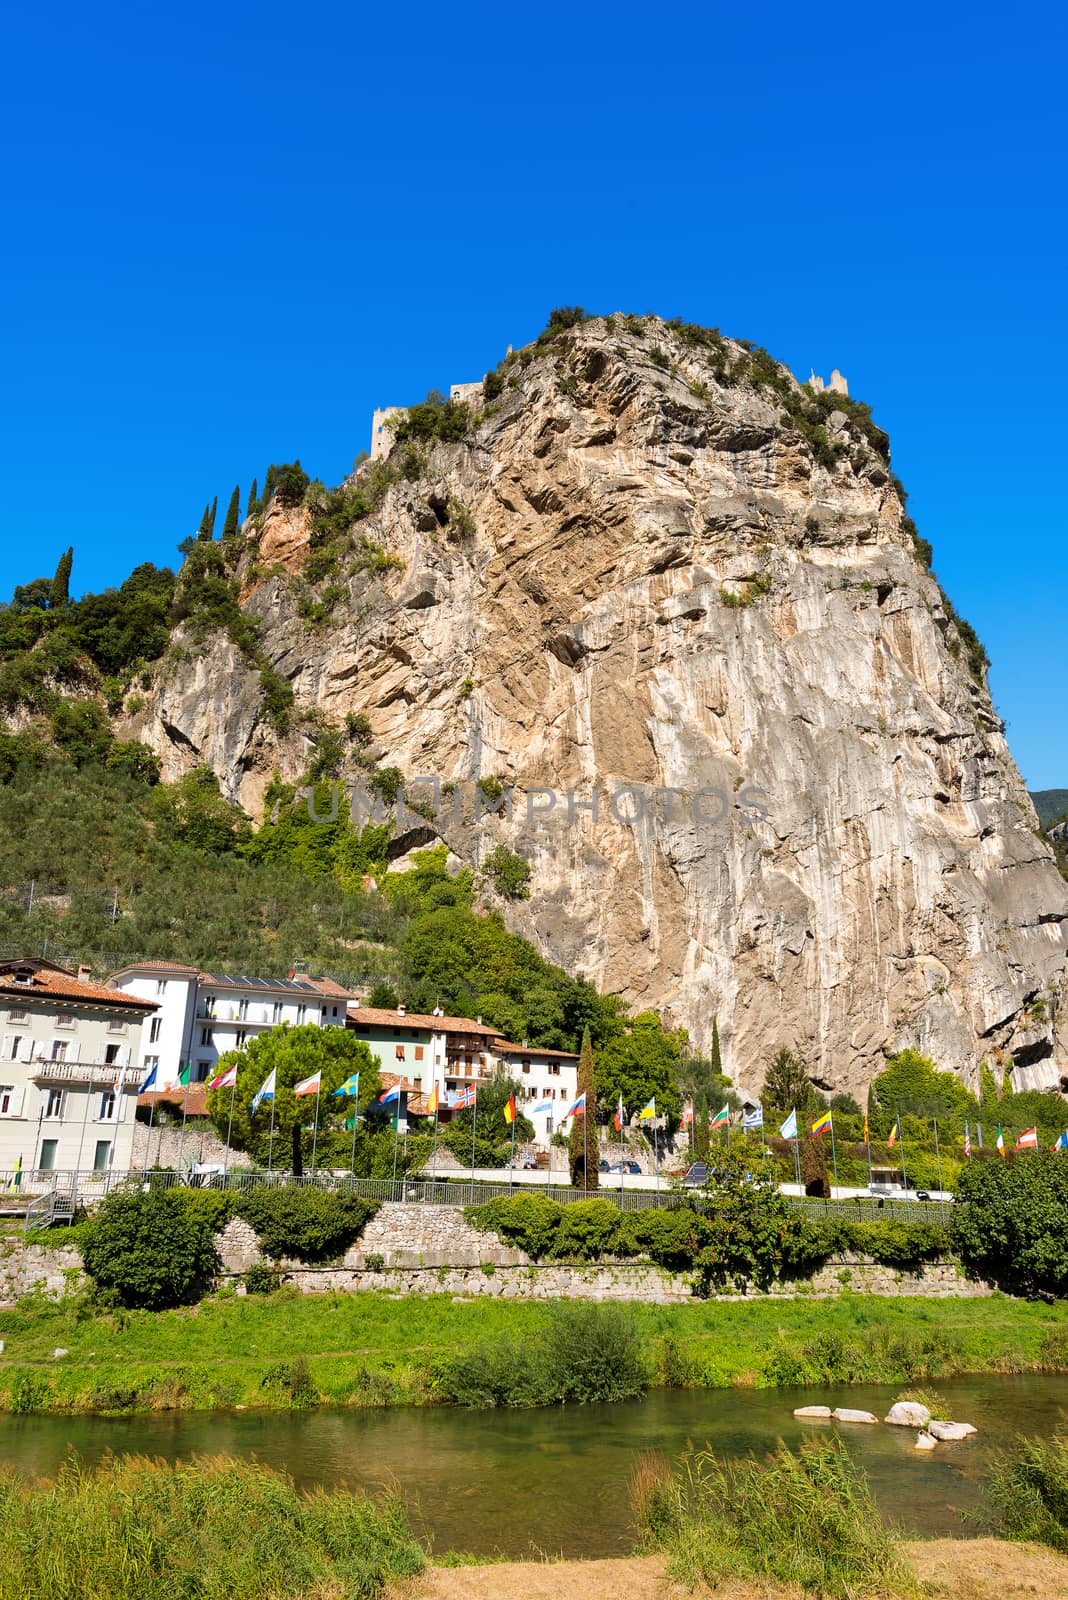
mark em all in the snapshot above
pixel 602 1166
pixel 630 1167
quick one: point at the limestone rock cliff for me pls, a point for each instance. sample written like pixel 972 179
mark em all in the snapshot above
pixel 641 570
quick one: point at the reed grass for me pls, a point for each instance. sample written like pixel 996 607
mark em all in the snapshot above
pixel 207 1529
pixel 1028 1483
pixel 804 1518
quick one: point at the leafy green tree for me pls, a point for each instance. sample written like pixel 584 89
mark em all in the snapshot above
pixel 287 484
pixel 787 1086
pixel 750 1230
pixel 383 997
pixel 641 1063
pixel 193 812
pixel 135 759
pixel 293 1053
pixel 82 730
pixel 911 1083
pixel 1009 1223
pixel 233 512
pixel 59 593
pixel 32 596
pixel 509 872
pixel 149 1250
pixel 582 1140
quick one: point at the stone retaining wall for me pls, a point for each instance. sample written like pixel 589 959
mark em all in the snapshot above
pixel 413 1249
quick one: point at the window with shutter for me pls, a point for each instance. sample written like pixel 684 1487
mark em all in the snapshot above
pixel 74 1050
pixel 26 1048
pixel 10 1047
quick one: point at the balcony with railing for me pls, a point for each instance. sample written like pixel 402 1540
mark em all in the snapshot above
pixel 45 1070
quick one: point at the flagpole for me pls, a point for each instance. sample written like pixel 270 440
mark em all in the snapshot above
pixel 396 1142
pixel 85 1119
pixel 797 1151
pixel 511 1168
pixel 270 1136
pixel 474 1126
pixel 185 1112
pixel 834 1154
pixel 656 1159
pixel 622 1119
pixel 549 1135
pixel 355 1119
pixel 148 1141
pixel 315 1123
pixel 938 1161
pixel 901 1142
pixel 230 1124
pixel 434 1152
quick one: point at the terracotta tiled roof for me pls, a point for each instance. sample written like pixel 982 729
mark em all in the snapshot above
pixel 502 1047
pixel 195 1106
pixel 372 1017
pixel 326 986
pixel 51 983
pixel 154 966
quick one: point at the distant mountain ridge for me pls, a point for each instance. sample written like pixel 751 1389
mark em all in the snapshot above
pixel 1050 804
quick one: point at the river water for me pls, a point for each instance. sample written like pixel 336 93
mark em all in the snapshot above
pixel 555 1481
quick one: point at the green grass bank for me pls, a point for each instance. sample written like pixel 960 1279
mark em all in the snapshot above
pixel 286 1350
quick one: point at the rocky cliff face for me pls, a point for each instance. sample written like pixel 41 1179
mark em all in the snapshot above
pixel 640 571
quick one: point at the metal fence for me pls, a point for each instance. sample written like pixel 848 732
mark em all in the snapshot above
pixel 18 1189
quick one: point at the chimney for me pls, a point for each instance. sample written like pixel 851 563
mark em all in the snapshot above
pixel 400 1011
pixel 84 973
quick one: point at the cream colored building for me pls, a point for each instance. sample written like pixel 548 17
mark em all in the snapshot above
pixel 68 1071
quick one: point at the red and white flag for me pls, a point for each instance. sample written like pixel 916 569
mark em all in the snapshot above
pixel 224 1080
pixel 1028 1140
pixel 309 1085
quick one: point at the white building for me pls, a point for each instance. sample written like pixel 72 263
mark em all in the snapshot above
pixel 549 1078
pixel 68 1071
pixel 201 1015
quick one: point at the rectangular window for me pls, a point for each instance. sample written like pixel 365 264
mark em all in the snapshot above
pixel 554 1068
pixel 7 1098
pixel 242 1010
pixel 47 1162
pixel 58 1050
pixel 202 1070
pixel 111 1055
pixel 17 1013
pixel 419 1052
pixel 525 1065
pixel 107 1107
pixel 154 1028
pixel 161 986
pixel 205 1036
pixel 12 1042
pixel 241 1038
pixel 101 1154
pixel 399 1051
pixel 54 1103
pixel 116 1025
pixel 64 1020
pixel 276 1011
pixel 302 1012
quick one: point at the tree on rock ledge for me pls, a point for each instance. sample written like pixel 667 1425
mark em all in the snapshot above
pixel 582 1142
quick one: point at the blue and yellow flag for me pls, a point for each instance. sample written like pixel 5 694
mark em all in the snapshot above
pixel 350 1086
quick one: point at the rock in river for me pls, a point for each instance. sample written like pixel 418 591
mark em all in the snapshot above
pixel 951 1431
pixel 908 1414
pixel 813 1413
pixel 847 1414
pixel 924 1441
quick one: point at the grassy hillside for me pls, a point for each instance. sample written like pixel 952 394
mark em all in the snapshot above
pixel 1050 804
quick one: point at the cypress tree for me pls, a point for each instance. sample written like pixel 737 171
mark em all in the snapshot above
pixel 211 519
pixel 232 512
pixel 582 1143
pixel 715 1059
pixel 59 593
pixel 253 499
pixel 204 531
pixel 701 1137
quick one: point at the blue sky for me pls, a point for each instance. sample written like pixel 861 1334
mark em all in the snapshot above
pixel 231 232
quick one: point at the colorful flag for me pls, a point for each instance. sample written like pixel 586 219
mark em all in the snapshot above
pixel 867 1130
pixel 185 1077
pixel 754 1119
pixel 224 1080
pixel 578 1109
pixel 822 1124
pixel 1062 1142
pixel 545 1105
pixel 617 1120
pixel 309 1085
pixel 648 1111
pixel 1028 1140
pixel 463 1098
pixel 16 1179
pixel 266 1090
pixel 967 1141
pixel 150 1080
pixel 894 1134
pixel 509 1110
pixel 789 1127
pixel 432 1102
pixel 389 1094
pixel 721 1118
pixel 351 1086
pixel 1000 1141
